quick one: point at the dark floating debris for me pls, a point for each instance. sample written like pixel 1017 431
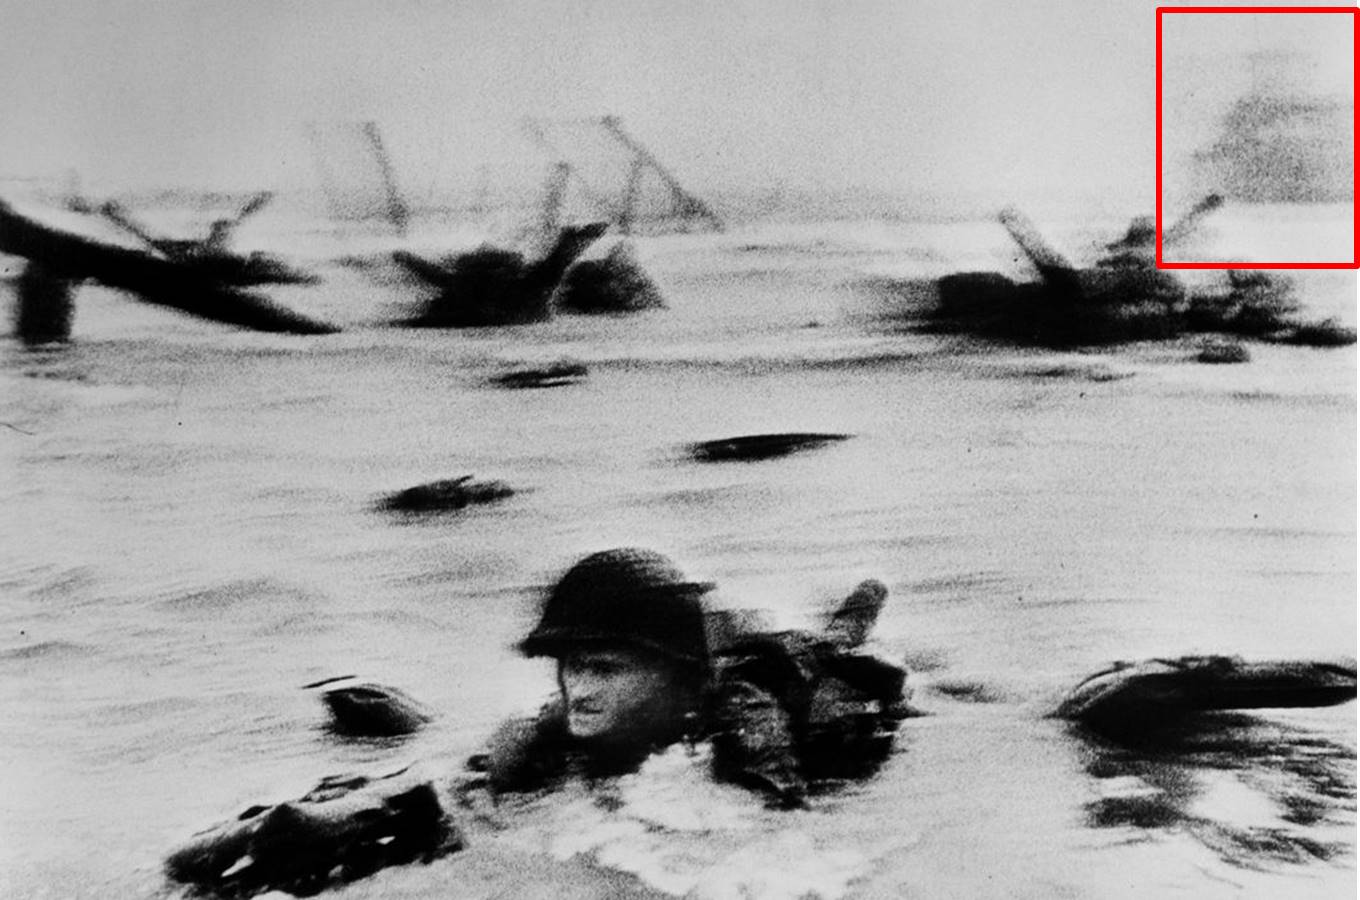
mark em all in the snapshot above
pixel 551 376
pixel 345 828
pixel 1133 697
pixel 1221 351
pixel 760 446
pixel 494 286
pixel 365 709
pixel 448 494
pixel 615 283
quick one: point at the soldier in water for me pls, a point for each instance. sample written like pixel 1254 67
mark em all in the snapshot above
pixel 636 673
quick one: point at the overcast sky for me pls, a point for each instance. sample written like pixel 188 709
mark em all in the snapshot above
pixel 1015 97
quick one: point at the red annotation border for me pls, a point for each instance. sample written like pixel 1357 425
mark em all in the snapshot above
pixel 1354 13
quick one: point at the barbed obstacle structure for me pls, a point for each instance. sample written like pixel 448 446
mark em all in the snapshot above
pixel 597 162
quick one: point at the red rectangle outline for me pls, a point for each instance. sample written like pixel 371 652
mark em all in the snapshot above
pixel 1355 136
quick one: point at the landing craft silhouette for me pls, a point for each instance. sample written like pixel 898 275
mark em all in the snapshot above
pixel 1123 297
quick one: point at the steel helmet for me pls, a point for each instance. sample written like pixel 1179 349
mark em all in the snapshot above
pixel 627 596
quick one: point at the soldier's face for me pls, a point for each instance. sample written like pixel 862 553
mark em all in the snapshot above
pixel 613 693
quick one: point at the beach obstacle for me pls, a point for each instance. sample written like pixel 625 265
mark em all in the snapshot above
pixel 45 307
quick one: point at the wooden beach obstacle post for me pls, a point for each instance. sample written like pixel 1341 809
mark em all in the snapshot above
pixel 356 173
pixel 45 306
pixel 687 206
pixel 623 211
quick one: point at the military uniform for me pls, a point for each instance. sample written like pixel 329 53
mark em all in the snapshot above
pixel 785 711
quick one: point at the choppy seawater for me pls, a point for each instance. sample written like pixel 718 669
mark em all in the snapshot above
pixel 190 537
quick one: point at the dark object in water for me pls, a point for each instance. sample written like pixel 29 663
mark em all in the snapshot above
pixel 492 286
pixel 1219 351
pixel 1127 298
pixel 615 283
pixel 448 494
pixel 43 311
pixel 361 708
pixel 345 828
pixel 760 446
pixel 552 376
pixel 241 270
pixel 1327 333
pixel 1133 696
pixel 1123 297
pixel 164 282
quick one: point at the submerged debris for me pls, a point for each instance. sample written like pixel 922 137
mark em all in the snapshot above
pixel 447 494
pixel 550 376
pixel 760 446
